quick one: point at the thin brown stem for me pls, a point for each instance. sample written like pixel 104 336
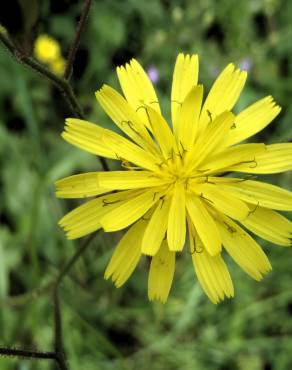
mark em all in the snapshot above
pixel 22 353
pixel 22 299
pixel 61 83
pixel 67 267
pixel 76 42
pixel 58 337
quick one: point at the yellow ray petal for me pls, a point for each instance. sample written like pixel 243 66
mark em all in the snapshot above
pixel 269 225
pixel 188 117
pixel 243 249
pixel 79 186
pixel 85 219
pixel 212 139
pixel 137 89
pixel 185 76
pixel 126 150
pixel 124 117
pixel 126 255
pixel 253 119
pixel 161 131
pixel 213 275
pixel 120 180
pixel 215 133
pixel 224 201
pixel 276 158
pixel 156 228
pixel 77 228
pixel 223 94
pixel 255 192
pixel 87 136
pixel 204 224
pixel 161 274
pixel 127 212
pixel 239 156
pixel 176 228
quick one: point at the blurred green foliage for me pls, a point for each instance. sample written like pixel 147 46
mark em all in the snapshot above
pixel 106 328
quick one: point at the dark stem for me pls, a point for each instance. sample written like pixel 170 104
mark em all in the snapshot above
pixel 59 346
pixel 64 86
pixel 61 83
pixel 66 268
pixel 76 42
pixel 104 164
pixel 11 352
pixel 21 299
pixel 58 337
pixel 59 353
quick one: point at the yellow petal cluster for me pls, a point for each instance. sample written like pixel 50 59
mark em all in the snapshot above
pixel 170 191
pixel 47 50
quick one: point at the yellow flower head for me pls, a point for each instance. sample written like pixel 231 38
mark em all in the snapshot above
pixel 47 49
pixel 58 66
pixel 171 184
pixel 3 30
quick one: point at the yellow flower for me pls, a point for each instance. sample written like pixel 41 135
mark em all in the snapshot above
pixel 58 66
pixel 172 182
pixel 47 49
pixel 3 30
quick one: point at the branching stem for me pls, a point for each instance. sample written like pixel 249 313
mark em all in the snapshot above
pixel 76 42
pixel 66 268
pixel 22 353
pixel 63 84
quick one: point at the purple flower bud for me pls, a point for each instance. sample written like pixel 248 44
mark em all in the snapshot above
pixel 153 74
pixel 214 71
pixel 245 64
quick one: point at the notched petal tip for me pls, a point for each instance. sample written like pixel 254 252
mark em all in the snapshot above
pixel 119 68
pixel 187 57
pixel 277 108
pixel 58 182
pixel 61 222
pixel 58 194
pixel 158 299
pixel 99 91
pixel 273 104
pixel 243 75
pixel 223 298
pixel 230 67
pixel 134 62
pixel 118 284
pixel 70 121
pixel 260 275
pixel 107 274
pixel 194 56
